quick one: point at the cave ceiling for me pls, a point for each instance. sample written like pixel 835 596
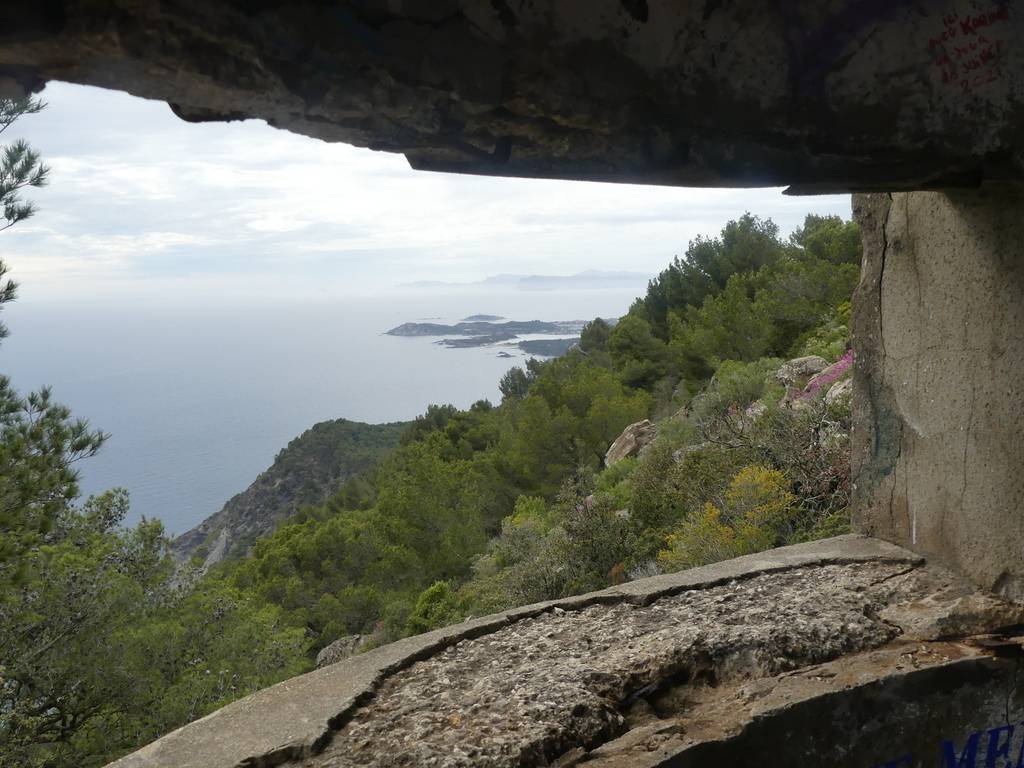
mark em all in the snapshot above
pixel 817 95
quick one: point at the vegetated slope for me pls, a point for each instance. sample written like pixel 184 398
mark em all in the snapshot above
pixel 500 505
pixel 474 511
pixel 308 470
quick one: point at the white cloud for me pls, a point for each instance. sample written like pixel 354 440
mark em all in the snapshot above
pixel 141 201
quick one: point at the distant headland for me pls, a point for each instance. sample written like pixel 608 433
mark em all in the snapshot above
pixel 486 330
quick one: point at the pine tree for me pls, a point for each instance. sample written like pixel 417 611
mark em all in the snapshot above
pixel 39 442
pixel 20 167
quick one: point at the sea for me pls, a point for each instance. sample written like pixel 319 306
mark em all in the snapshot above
pixel 198 398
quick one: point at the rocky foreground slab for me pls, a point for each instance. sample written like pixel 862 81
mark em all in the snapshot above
pixel 848 651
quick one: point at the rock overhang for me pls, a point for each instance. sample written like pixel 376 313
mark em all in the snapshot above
pixel 852 95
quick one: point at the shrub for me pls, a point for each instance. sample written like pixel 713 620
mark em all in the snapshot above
pixel 758 513
pixel 735 386
pixel 828 340
pixel 437 606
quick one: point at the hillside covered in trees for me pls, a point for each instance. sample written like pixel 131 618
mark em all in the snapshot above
pixel 107 644
pixel 502 505
pixel 308 470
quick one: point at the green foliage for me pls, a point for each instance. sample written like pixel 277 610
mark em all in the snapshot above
pixel 515 383
pixel 615 483
pixel 434 419
pixel 745 245
pixel 756 513
pixel 574 410
pixel 727 326
pixel 39 443
pixel 527 563
pixel 319 453
pixel 20 169
pixel 101 653
pixel 830 339
pixel 594 337
pixel 531 511
pixel 437 606
pixel 20 166
pixel 333 458
pixel 735 386
pixel 829 238
pixel 639 357
pixel 801 295
pixel 668 483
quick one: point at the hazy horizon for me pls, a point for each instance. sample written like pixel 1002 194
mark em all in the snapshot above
pixel 199 401
pixel 142 205
pixel 205 292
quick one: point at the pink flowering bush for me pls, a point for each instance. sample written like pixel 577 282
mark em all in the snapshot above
pixel 826 378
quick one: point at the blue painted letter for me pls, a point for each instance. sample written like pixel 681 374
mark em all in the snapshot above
pixel 968 758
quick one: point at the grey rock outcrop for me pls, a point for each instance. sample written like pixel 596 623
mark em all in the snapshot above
pixel 631 441
pixel 754 411
pixel 839 392
pixel 339 650
pixel 795 373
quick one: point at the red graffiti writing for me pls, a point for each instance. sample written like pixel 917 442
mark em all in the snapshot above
pixel 968 51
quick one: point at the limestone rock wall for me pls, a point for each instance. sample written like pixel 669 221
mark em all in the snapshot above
pixel 938 437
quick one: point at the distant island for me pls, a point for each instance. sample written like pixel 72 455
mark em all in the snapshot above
pixel 548 347
pixel 476 341
pixel 484 331
pixel 483 328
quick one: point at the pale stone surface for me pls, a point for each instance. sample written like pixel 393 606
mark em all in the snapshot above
pixel 754 411
pixel 633 439
pixel 939 331
pixel 845 95
pixel 796 372
pixel 339 650
pixel 530 692
pixel 623 669
pixel 839 392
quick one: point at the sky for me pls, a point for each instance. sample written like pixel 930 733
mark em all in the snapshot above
pixel 145 207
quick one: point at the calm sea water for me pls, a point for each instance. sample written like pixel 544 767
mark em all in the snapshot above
pixel 199 399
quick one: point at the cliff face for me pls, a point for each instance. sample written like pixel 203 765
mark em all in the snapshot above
pixel 307 471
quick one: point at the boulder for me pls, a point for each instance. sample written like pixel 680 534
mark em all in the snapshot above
pixel 340 650
pixel 839 392
pixel 797 372
pixel 633 439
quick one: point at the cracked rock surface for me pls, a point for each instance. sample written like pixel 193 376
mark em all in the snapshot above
pixel 571 680
pixel 770 660
pixel 939 338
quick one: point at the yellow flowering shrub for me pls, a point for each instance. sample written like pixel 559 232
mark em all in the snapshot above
pixel 757 513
